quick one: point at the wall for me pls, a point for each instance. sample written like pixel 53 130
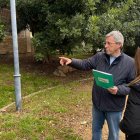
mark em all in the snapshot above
pixel 24 37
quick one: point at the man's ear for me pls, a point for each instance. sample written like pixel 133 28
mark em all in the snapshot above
pixel 120 45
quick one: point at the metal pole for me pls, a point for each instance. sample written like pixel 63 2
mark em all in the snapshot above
pixel 16 56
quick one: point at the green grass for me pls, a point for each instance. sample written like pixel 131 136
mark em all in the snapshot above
pixel 30 82
pixel 42 115
pixel 46 115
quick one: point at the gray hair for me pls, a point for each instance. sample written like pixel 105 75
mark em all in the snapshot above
pixel 118 37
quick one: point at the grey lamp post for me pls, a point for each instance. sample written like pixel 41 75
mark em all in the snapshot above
pixel 16 56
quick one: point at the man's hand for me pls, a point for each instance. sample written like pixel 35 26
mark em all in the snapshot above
pixel 65 61
pixel 113 90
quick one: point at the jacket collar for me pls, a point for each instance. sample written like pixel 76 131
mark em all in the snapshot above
pixel 107 58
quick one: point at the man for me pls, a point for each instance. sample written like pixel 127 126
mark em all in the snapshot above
pixel 108 104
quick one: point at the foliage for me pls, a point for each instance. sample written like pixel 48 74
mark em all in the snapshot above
pixel 41 48
pixel 32 14
pixel 2 33
pixel 124 17
pixel 63 25
pixel 3 26
pixel 129 24
pixel 4 4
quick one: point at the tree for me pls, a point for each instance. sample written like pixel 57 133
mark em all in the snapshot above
pixel 3 25
pixel 2 33
pixel 59 24
pixel 62 25
pixel 124 17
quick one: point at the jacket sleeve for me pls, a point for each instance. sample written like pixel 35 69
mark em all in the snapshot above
pixel 124 89
pixel 86 64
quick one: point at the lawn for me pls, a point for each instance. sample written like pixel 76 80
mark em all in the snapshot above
pixel 53 108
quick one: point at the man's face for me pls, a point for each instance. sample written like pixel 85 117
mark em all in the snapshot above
pixel 112 48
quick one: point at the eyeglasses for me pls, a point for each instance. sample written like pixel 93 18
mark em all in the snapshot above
pixel 109 43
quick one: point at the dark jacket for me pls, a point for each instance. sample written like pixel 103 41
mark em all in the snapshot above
pixel 130 123
pixel 123 72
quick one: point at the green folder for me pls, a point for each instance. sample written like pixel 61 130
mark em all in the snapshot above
pixel 103 79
